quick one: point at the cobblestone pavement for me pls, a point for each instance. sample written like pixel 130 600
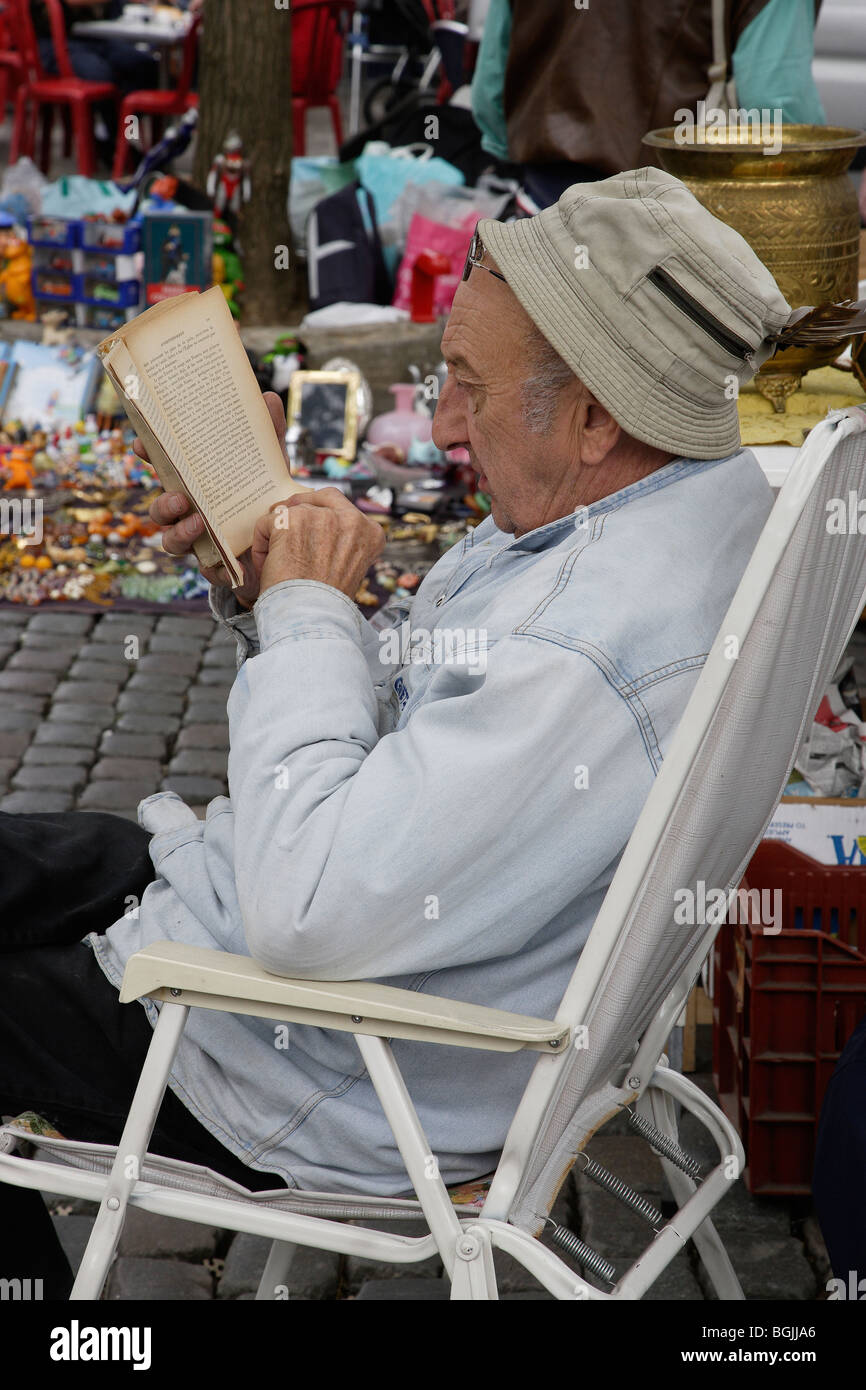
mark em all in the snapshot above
pixel 97 712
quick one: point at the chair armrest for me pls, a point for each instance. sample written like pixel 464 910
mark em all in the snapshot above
pixel 205 979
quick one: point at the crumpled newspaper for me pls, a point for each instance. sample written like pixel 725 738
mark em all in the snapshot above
pixel 832 759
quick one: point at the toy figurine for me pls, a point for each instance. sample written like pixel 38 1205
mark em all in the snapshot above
pixel 228 182
pixel 19 468
pixel 228 272
pixel 15 261
pixel 55 329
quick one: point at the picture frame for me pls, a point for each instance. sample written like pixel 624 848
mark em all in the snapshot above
pixel 325 404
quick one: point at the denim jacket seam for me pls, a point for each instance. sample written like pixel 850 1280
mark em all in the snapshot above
pixel 565 572
pixel 303 1111
pixel 662 673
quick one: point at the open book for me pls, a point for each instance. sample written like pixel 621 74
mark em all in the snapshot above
pixel 191 395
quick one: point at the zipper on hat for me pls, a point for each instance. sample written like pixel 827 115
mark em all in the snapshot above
pixel 699 315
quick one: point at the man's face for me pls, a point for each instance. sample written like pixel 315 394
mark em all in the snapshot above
pixel 531 478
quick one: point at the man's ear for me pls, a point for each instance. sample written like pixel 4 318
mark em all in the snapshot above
pixel 600 434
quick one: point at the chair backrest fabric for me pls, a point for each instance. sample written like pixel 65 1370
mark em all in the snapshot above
pixel 709 807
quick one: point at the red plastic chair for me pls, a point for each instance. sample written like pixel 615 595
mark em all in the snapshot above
pixel 159 104
pixel 11 61
pixel 72 95
pixel 318 35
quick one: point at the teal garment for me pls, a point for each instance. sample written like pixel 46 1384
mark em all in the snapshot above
pixel 773 62
pixel 772 65
pixel 488 82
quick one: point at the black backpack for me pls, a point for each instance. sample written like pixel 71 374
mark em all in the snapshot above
pixel 344 255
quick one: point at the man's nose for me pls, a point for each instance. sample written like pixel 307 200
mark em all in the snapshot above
pixel 449 426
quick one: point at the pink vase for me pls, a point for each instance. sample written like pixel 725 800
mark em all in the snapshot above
pixel 403 424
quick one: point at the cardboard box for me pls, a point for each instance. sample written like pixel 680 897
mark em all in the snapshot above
pixel 831 830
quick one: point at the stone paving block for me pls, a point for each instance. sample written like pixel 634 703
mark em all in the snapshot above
pixel 120 745
pixel 216 676
pixel 27 682
pixel 40 659
pixel 676 1284
pixel 134 1277
pixel 182 623
pixel 6 650
pixel 210 709
pixel 58 734
pixel 357 1270
pixel 132 769
pixel 199 762
pixel 170 663
pixel 313 1274
pixel 7 767
pixel 62 778
pixel 49 641
pixel 630 1158
pixel 816 1251
pixel 64 623
pixel 13 718
pixel 35 802
pixel 220 658
pixel 194 788
pixel 213 735
pixel 108 653
pixel 27 704
pixel 118 672
pixel 767 1268
pixel 14 741
pixel 106 795
pixel 15 617
pixel 175 642
pixel 139 723
pixel 161 1238
pixel 149 701
pixel 73 1232
pixel 164 682
pixel 56 755
pixel 405 1291
pixel 101 692
pixel 70 712
pixel 738 1210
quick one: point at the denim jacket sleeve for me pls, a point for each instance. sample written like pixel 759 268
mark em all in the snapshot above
pixel 363 855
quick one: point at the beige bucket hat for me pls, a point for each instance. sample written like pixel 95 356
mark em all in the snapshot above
pixel 662 310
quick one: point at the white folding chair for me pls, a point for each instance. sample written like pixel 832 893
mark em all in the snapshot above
pixel 782 636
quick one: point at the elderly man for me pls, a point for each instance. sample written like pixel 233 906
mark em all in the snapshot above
pixel 444 825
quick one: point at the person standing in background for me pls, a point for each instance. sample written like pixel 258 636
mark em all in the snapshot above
pixel 566 93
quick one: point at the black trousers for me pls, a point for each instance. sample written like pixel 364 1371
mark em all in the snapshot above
pixel 839 1181
pixel 68 1049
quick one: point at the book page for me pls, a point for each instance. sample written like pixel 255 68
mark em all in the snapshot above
pixel 218 430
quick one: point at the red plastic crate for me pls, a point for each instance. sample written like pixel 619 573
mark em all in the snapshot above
pixel 784 1006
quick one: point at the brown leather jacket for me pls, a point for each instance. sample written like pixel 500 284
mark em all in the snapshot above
pixel 585 85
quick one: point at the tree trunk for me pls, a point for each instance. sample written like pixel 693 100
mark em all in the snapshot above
pixel 245 86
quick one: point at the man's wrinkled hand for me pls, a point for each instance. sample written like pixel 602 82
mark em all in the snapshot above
pixel 317 535
pixel 182 526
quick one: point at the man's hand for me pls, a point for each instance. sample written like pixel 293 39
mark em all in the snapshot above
pixel 183 525
pixel 317 535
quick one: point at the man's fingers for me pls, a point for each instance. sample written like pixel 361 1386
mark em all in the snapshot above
pixel 168 508
pixel 178 540
pixel 330 497
pixel 278 415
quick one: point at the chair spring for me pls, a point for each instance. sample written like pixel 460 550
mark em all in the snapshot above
pixel 588 1258
pixel 621 1190
pixel 665 1146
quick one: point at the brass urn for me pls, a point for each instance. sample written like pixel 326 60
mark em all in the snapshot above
pixel 797 209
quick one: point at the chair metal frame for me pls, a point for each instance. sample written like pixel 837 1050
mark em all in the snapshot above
pixel 186 977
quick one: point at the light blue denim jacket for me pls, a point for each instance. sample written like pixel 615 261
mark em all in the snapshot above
pixel 448 826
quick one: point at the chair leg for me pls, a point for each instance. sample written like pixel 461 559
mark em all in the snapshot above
pixel 121 151
pixel 276 1270
pixel 67 131
pixel 45 147
pixel 21 144
pixel 474 1276
pixel 82 122
pixel 130 1152
pixel 708 1243
pixel 336 119
pixel 299 122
